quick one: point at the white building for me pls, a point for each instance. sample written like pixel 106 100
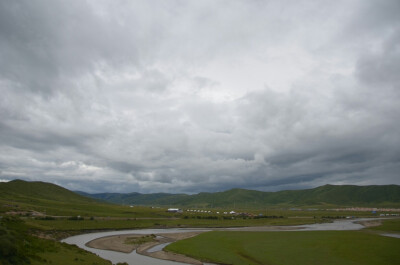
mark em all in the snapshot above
pixel 174 210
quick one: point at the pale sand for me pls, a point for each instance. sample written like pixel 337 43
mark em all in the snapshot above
pixel 117 243
pixel 371 223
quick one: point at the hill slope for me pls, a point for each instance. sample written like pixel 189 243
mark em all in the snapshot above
pixel 346 195
pixel 20 190
pixel 21 196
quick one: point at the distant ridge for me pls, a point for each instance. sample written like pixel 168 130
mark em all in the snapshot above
pixel 327 195
pixel 42 193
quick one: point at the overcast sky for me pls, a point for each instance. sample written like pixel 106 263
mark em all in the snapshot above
pixel 190 96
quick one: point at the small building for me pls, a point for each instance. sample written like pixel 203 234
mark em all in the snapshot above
pixel 174 210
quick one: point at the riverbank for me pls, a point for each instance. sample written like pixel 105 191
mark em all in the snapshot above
pixel 119 243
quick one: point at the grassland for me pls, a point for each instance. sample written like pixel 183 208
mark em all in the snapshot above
pixel 19 246
pixel 99 224
pixel 45 198
pixel 31 211
pixel 32 198
pixel 390 225
pixel 291 248
pixel 64 254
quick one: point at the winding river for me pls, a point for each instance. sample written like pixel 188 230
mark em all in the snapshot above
pixel 135 259
pixel 131 258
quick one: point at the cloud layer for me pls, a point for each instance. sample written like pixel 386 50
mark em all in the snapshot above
pixel 189 96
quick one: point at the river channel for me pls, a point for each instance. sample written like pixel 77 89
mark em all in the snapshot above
pixel 131 258
pixel 135 259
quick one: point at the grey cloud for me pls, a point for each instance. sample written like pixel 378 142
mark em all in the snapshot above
pixel 138 96
pixel 382 68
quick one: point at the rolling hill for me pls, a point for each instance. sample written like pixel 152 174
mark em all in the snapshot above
pixel 23 196
pixel 328 195
pixel 24 191
pixel 53 199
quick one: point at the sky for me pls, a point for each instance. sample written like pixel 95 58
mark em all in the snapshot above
pixel 200 96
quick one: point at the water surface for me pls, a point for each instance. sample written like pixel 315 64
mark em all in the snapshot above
pixel 135 259
pixel 131 258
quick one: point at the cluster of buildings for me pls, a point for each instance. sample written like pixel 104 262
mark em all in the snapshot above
pixel 366 209
pixel 177 210
pixel 387 214
pixel 199 211
pixel 205 211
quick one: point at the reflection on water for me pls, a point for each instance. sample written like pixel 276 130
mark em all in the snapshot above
pixel 337 225
pixel 392 235
pixel 158 247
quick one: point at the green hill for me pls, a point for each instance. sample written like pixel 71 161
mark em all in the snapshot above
pixel 328 195
pixel 20 190
pixel 23 196
pixel 18 195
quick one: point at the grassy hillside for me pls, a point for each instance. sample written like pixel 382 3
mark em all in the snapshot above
pixel 50 199
pixel 19 246
pixel 21 190
pixel 328 195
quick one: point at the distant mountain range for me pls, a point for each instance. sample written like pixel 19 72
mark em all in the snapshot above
pixel 328 195
pixel 56 197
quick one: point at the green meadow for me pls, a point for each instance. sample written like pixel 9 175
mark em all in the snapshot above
pixel 35 215
pixel 291 248
pixel 19 246
pixel 107 224
pixel 389 225
pixel 64 254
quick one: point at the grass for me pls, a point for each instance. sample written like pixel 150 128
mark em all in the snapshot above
pixel 140 240
pixel 19 246
pixel 51 199
pixel 291 248
pixel 40 251
pixel 390 225
pixel 83 208
pixel 63 224
pixel 24 197
pixel 64 254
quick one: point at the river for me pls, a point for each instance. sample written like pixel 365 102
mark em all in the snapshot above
pixel 135 259
pixel 131 258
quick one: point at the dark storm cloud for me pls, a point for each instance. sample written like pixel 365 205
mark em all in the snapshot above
pixel 199 95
